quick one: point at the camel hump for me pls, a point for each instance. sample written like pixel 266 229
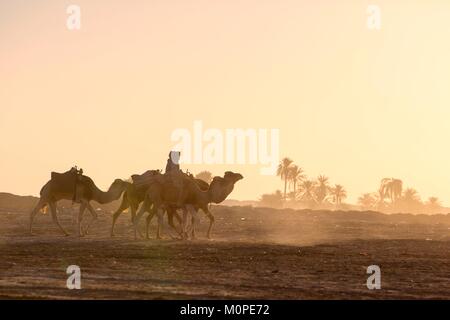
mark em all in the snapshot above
pixel 204 186
pixel 68 175
pixel 144 179
pixel 55 175
pixel 64 182
pixel 218 179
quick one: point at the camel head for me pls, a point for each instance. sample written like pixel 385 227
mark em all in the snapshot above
pixel 221 187
pixel 115 191
pixel 233 177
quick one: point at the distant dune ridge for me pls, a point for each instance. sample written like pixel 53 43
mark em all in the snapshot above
pixel 14 203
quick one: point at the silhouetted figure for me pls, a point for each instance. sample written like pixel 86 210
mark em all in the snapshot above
pixel 78 173
pixel 176 175
pixel 173 161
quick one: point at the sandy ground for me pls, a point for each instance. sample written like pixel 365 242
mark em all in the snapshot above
pixel 255 254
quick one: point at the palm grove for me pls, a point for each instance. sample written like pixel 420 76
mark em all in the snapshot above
pixel 300 191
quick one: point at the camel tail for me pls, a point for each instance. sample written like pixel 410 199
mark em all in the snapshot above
pixel 44 209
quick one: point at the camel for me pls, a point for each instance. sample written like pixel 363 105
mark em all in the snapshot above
pixel 134 195
pixel 62 186
pixel 172 212
pixel 391 188
pixel 162 194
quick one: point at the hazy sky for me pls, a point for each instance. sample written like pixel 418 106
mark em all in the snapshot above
pixel 354 104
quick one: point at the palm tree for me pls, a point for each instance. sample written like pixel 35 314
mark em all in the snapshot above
pixel 306 190
pixel 205 176
pixel 295 175
pixel 322 188
pixel 434 201
pixel 338 193
pixel 410 201
pixel 283 172
pixel 367 201
pixel 433 204
pixel 411 195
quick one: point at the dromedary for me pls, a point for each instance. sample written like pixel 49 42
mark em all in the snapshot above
pixel 171 210
pixel 135 193
pixel 62 186
pixel 162 194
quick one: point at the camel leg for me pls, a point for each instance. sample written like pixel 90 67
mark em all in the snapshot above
pixel 80 218
pixel 188 226
pixel 94 217
pixel 177 216
pixel 194 220
pixel 123 206
pixel 144 207
pixel 160 215
pixel 184 227
pixel 193 237
pixel 33 213
pixel 211 221
pixel 149 219
pixel 133 208
pixel 53 211
pixel 170 215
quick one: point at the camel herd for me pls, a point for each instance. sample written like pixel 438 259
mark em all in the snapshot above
pixel 150 192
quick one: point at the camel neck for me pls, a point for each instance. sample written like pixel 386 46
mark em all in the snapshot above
pixel 103 197
pixel 219 192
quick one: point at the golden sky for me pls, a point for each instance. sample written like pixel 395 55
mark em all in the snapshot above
pixel 354 104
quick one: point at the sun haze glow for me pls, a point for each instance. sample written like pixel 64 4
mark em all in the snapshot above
pixel 354 104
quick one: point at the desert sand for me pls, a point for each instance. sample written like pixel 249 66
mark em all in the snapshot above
pixel 256 253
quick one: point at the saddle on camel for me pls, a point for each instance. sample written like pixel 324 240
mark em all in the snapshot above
pixel 142 181
pixel 172 175
pixel 68 182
